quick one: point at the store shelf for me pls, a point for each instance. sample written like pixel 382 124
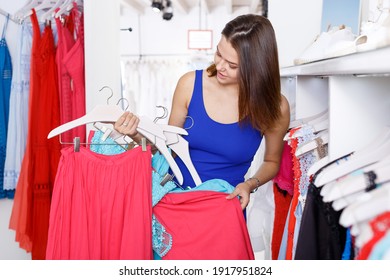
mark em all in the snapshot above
pixel 376 62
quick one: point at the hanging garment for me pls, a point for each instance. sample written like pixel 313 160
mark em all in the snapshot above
pixel 320 237
pixel 30 214
pixel 18 114
pixel 282 204
pixel 71 76
pixel 203 224
pixel 223 151
pixel 5 91
pixel 101 207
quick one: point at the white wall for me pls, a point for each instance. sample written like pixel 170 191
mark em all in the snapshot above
pixel 296 25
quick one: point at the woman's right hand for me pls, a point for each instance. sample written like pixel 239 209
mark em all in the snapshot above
pixel 127 124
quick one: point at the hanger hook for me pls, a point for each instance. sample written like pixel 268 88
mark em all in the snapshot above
pixel 165 114
pixel 127 101
pixel 112 93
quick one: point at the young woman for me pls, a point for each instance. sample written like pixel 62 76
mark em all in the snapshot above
pixel 230 107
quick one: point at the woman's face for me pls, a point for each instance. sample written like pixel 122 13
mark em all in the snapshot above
pixel 226 62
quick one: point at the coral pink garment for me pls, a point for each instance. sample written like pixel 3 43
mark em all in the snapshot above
pixel 204 225
pixel 70 61
pixel 285 176
pixel 101 206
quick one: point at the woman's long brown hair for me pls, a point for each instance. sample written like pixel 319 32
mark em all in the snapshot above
pixel 253 37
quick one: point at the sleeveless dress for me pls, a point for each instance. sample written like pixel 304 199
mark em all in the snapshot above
pixel 218 151
pixel 71 77
pixel 5 91
pixel 30 215
pixel 18 118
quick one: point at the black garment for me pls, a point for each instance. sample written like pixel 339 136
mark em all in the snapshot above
pixel 320 237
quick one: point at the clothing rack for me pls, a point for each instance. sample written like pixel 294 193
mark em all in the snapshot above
pixel 11 17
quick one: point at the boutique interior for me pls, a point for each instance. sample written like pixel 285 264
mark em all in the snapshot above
pixel 331 197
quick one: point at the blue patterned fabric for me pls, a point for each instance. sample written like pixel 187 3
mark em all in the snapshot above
pixel 5 91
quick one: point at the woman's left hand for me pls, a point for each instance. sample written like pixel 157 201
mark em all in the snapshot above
pixel 243 191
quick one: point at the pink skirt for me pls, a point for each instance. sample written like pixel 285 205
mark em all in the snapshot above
pixel 204 225
pixel 101 206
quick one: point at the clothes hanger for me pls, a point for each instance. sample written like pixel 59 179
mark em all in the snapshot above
pixel 357 181
pixel 173 140
pixel 111 113
pixel 366 207
pixel 321 139
pixel 51 12
pixel 377 142
pixel 180 146
pixel 368 155
pixel 65 7
pixel 45 4
pixel 302 121
pixel 19 14
pixel 11 17
pixel 317 126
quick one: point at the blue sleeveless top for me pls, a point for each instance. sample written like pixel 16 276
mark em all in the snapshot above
pixel 218 151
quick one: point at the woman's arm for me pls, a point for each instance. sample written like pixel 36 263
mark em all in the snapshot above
pixel 272 156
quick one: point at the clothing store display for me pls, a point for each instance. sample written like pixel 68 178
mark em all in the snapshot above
pixel 377 34
pixel 5 91
pixel 110 198
pixel 212 155
pixel 339 40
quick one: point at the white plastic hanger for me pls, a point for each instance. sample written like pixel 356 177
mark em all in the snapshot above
pixel 51 12
pixel 358 160
pixel 180 146
pixel 19 14
pixel 173 140
pixel 313 144
pixel 344 201
pixel 367 206
pixel 316 128
pixel 111 113
pixel 356 182
pixel 45 4
pixel 379 140
pixel 65 7
pixel 302 121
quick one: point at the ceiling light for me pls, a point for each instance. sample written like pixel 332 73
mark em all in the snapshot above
pixel 157 5
pixel 168 11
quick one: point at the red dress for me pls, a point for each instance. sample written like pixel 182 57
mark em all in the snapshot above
pixel 30 213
